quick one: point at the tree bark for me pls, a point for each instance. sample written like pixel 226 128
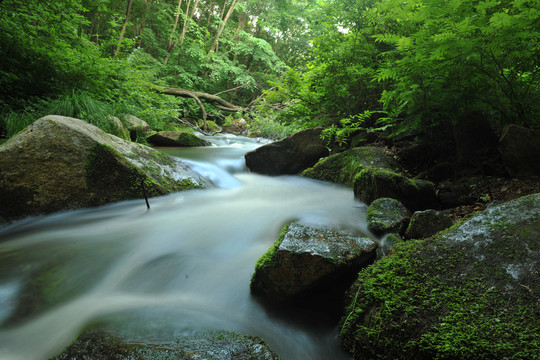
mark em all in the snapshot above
pixel 222 26
pixel 216 101
pixel 124 27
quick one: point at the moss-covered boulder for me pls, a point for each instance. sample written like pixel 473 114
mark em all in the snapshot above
pixel 371 184
pixel 61 163
pixel 426 223
pixel 137 128
pixel 288 156
pixel 211 345
pixel 386 215
pixel 343 167
pixel 471 292
pixel 304 259
pixel 176 138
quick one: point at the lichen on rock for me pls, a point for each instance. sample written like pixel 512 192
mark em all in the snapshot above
pixel 470 292
pixel 304 258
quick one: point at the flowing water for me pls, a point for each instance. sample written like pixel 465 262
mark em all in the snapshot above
pixel 184 264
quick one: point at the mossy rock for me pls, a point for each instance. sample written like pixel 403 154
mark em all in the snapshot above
pixel 471 292
pixel 371 184
pixel 211 345
pixel 342 168
pixel 386 215
pixel 60 163
pixel 176 138
pixel 427 223
pixel 305 259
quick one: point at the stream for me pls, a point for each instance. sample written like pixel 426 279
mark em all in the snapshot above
pixel 184 264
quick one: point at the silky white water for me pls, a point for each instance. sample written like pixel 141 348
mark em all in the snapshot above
pixel 184 264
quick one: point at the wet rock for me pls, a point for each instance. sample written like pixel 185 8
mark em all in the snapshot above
pixel 415 194
pixel 387 243
pixel 176 138
pixel 210 345
pixel 520 150
pixel 342 168
pixel 304 259
pixel 238 126
pixel 61 163
pixel 426 223
pixel 456 193
pixel 288 156
pixel 137 128
pixel 386 215
pixel 470 292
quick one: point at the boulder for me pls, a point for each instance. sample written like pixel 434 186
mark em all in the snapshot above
pixel 137 128
pixel 176 138
pixel 210 345
pixel 426 223
pixel 305 259
pixel 342 168
pixel 474 139
pixel 470 292
pixel 61 163
pixel 238 126
pixel 386 215
pixel 119 129
pixel 520 150
pixel 371 184
pixel 288 156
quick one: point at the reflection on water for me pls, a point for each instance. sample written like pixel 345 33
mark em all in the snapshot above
pixel 185 263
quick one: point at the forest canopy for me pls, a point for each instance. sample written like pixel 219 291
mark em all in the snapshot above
pixel 391 66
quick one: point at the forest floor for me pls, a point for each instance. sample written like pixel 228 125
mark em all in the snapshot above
pixel 493 190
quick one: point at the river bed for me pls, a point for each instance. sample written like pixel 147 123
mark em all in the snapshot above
pixel 184 264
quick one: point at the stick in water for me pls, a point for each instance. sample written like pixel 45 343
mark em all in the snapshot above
pixel 144 194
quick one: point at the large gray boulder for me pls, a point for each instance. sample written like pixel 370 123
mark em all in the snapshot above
pixel 210 345
pixel 176 138
pixel 61 163
pixel 288 156
pixel 343 167
pixel 470 292
pixel 520 150
pixel 304 259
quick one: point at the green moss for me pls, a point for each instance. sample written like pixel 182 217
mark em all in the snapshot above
pixel 343 168
pixel 267 258
pixel 112 177
pixel 421 302
pixel 190 140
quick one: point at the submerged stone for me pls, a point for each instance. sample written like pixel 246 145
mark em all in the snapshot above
pixel 60 163
pixel 304 259
pixel 210 345
pixel 471 292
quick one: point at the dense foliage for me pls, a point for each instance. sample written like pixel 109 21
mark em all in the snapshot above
pixel 398 66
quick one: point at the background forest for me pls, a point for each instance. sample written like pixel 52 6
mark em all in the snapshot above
pixel 389 66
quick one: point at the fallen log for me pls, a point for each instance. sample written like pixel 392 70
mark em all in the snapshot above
pixel 198 96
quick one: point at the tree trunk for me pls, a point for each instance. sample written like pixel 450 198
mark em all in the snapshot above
pixel 218 102
pixel 188 20
pixel 222 26
pixel 170 43
pixel 124 27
